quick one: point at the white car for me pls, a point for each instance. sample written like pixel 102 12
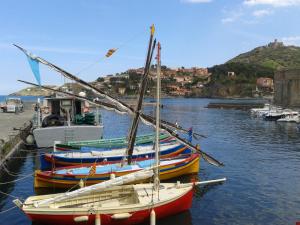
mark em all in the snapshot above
pixel 13 105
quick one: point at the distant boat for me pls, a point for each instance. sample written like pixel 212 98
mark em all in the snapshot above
pixel 68 177
pixel 109 143
pixel 90 157
pixel 291 116
pixel 285 115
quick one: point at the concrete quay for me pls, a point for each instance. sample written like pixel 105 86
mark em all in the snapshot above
pixel 10 138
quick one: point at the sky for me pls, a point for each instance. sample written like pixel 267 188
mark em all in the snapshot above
pixel 76 34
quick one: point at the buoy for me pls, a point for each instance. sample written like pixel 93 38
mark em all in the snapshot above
pixel 81 183
pixel 80 219
pixel 30 139
pixel 112 176
pixel 98 219
pixel 152 217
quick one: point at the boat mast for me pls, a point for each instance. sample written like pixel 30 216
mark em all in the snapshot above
pixel 157 150
pixel 135 121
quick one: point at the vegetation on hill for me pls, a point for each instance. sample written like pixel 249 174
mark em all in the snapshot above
pixel 247 67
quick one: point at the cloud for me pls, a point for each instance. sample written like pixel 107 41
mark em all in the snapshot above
pixel 262 12
pixel 292 40
pixel 232 17
pixel 274 3
pixel 196 1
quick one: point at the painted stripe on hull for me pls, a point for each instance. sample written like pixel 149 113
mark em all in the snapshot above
pixel 42 179
pixel 63 161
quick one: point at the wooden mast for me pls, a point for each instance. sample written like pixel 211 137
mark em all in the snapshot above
pixel 143 87
pixel 157 150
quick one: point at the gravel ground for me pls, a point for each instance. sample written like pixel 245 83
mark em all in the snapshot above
pixel 10 120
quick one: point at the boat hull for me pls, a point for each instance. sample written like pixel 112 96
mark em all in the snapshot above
pixel 46 136
pixel 170 208
pixel 47 179
pixel 109 143
pixel 48 160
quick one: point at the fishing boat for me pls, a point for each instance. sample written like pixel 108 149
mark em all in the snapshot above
pixel 108 203
pixel 71 176
pixel 64 118
pixel 109 155
pixel 108 143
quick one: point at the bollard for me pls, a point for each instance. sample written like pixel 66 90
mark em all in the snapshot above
pixel 112 176
pixel 152 217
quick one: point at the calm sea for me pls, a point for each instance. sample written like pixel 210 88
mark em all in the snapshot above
pixel 262 164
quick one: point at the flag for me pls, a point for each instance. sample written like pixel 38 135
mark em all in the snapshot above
pixel 92 170
pixel 34 65
pixel 190 134
pixel 110 52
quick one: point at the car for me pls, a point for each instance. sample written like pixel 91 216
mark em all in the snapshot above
pixel 14 105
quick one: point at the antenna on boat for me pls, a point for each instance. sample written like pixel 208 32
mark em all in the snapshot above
pixel 157 150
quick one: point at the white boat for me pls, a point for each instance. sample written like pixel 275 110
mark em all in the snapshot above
pixel 289 116
pixel 65 119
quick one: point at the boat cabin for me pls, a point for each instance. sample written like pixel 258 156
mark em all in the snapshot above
pixel 66 110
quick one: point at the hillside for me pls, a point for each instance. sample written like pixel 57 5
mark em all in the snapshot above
pixel 33 91
pixel 247 67
pixel 274 56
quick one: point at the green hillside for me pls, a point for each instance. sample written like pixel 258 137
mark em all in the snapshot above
pixel 273 56
pixel 260 62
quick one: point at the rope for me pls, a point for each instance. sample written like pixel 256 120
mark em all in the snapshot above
pixel 24 157
pixel 120 46
pixel 16 180
pixel 8 209
pixel 12 173
pixel 9 195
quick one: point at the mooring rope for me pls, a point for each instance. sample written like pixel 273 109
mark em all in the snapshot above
pixel 8 209
pixel 9 195
pixel 24 157
pixel 16 180
pixel 12 173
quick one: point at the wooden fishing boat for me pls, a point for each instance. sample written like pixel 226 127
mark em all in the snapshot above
pixel 108 203
pixel 71 176
pixel 89 157
pixel 109 143
pixel 122 205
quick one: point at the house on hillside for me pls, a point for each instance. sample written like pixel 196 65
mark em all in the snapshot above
pixel 265 84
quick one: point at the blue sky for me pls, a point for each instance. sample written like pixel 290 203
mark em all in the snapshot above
pixel 76 33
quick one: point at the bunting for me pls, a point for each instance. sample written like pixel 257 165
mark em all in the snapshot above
pixel 110 52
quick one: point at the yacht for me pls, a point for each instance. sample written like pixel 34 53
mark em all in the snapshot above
pixel 289 116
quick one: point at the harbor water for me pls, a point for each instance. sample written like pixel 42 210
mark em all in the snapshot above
pixel 262 164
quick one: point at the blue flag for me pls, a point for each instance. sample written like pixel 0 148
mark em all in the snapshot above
pixel 34 65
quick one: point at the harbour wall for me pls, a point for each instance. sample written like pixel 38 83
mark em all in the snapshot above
pixel 14 128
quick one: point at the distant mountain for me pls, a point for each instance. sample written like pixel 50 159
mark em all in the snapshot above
pixel 34 91
pixel 274 56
